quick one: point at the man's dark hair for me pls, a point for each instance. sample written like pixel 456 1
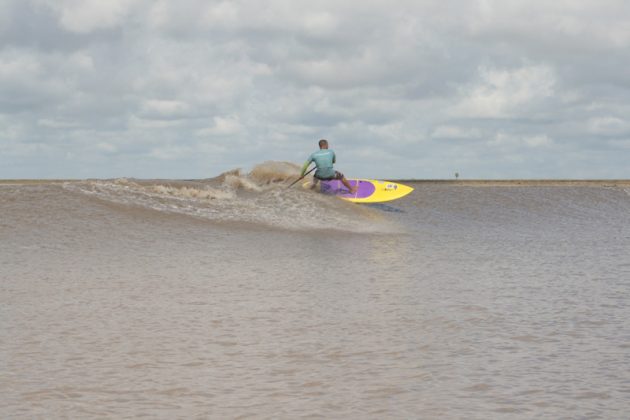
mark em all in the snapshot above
pixel 323 142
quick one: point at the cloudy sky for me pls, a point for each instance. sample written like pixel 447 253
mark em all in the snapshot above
pixel 415 89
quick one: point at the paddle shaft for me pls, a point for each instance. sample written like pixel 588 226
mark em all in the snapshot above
pixel 302 177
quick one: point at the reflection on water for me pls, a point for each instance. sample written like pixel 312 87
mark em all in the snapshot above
pixel 385 207
pixel 488 303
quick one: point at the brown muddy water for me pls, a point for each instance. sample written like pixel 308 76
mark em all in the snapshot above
pixel 235 297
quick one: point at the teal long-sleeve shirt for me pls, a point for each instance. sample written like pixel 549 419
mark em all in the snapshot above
pixel 324 160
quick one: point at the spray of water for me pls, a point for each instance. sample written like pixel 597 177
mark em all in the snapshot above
pixel 259 197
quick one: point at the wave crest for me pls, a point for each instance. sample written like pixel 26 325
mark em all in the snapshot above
pixel 258 197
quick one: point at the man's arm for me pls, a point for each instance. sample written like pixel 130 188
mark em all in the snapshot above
pixel 308 162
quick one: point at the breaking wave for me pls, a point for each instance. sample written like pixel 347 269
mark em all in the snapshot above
pixel 259 197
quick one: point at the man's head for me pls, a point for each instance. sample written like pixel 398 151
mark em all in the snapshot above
pixel 323 144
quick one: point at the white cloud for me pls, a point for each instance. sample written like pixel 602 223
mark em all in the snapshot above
pixel 164 109
pixel 506 93
pixel 320 24
pixel 107 147
pixel 223 126
pixel 453 132
pixel 171 152
pixel 582 25
pixel 608 126
pixel 620 144
pixel 82 60
pixel 194 79
pixel 511 141
pixel 136 123
pixel 538 141
pixel 56 123
pixel 84 16
pixel 221 13
pixel 17 64
pixel 10 132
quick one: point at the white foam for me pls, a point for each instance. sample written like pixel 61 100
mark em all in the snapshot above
pixel 186 192
pixel 274 172
pixel 259 197
pixel 239 181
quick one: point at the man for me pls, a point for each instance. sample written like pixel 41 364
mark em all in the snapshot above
pixel 324 159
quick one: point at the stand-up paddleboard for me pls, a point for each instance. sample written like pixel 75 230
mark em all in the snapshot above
pixel 369 190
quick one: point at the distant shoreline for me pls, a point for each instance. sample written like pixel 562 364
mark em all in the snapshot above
pixel 460 182
pixel 523 182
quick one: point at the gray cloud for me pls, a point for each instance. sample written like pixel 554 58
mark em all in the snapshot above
pixel 405 89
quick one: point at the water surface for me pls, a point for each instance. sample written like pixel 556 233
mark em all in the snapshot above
pixel 235 297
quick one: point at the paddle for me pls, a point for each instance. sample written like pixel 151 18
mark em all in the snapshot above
pixel 302 177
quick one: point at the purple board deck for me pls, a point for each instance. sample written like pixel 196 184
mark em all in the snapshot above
pixel 336 187
pixel 368 191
